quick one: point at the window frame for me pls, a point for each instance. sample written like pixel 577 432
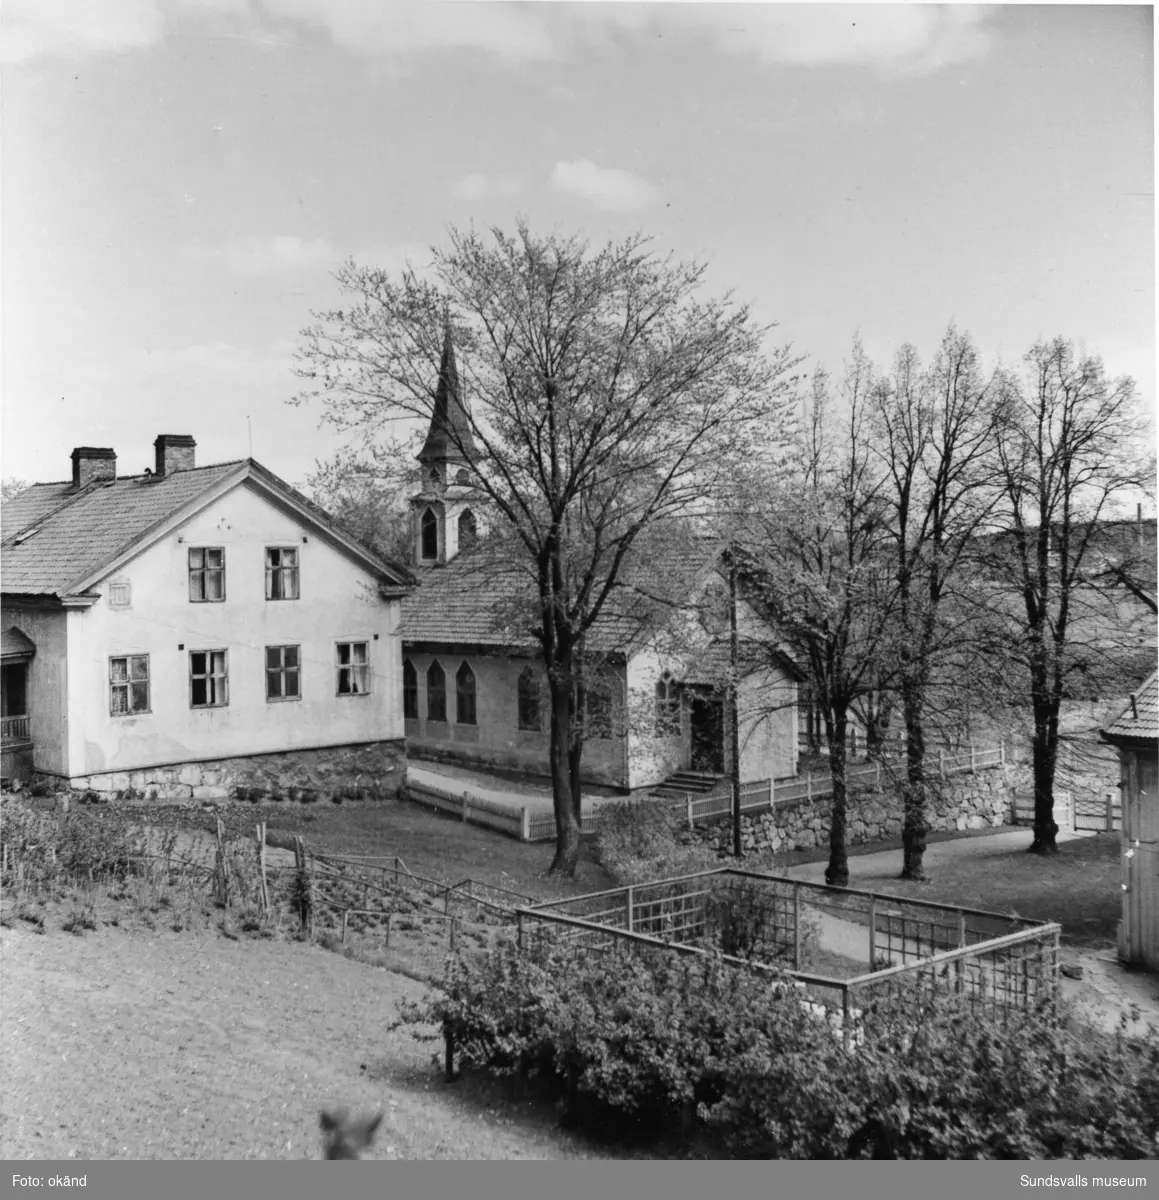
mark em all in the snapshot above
pixel 127 684
pixel 203 572
pixel 352 665
pixel 280 572
pixel 529 691
pixel 466 695
pixel 410 691
pixel 211 678
pixel 281 670
pixel 438 692
pixel 668 707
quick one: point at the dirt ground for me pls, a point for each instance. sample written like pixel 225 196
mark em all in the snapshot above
pixel 192 1046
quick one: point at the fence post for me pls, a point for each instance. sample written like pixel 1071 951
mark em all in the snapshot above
pixel 525 825
pixel 942 763
pixel 845 1016
pixel 1002 753
pixel 631 915
pixel 260 834
pixel 688 808
pixel 877 775
pixel 872 933
pixel 809 786
pixel 345 918
pixel 796 927
pixel 519 926
pixel 1072 808
pixel 389 916
pixel 972 768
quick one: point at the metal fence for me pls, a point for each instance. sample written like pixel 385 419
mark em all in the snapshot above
pixel 850 951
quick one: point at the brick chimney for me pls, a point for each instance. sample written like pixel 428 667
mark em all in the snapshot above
pixel 93 462
pixel 174 453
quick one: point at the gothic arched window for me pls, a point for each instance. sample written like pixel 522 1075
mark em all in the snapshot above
pixel 430 534
pixel 667 707
pixel 436 692
pixel 528 687
pixel 468 529
pixel 465 695
pixel 410 691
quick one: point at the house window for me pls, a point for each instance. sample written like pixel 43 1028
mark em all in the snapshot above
pixel 208 683
pixel 436 692
pixel 465 695
pixel 667 707
pixel 599 723
pixel 410 691
pixel 528 687
pixel 206 574
pixel 283 673
pixel 281 573
pixel 468 530
pixel 353 668
pixel 463 476
pixel 128 685
pixel 430 534
pixel 119 594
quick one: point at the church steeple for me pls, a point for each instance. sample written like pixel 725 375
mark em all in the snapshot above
pixel 449 437
pixel 443 514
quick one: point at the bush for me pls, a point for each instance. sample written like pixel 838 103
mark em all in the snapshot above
pixel 641 839
pixel 652 1041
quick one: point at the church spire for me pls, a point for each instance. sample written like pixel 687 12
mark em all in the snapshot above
pixel 449 438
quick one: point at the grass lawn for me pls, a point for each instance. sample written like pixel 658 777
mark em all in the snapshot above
pixel 1079 887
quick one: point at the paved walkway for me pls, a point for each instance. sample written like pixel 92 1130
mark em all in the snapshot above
pixel 1106 989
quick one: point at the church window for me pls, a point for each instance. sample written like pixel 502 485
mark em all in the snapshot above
pixel 430 534
pixel 465 695
pixel 468 529
pixel 410 691
pixel 436 692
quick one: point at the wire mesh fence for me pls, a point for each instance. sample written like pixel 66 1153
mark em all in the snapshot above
pixel 851 951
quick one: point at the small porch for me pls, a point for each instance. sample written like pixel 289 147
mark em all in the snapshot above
pixel 16 745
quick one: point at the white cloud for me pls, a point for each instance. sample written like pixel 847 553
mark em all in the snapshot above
pixel 909 37
pixel 33 28
pixel 478 186
pixel 255 256
pixel 607 188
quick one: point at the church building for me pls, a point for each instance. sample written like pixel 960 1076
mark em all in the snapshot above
pixel 474 686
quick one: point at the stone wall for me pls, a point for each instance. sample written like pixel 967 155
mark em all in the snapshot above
pixel 367 771
pixel 968 801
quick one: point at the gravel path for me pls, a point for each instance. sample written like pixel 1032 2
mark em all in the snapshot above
pixel 194 1046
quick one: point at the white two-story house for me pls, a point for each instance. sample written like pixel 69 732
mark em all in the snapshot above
pixel 197 633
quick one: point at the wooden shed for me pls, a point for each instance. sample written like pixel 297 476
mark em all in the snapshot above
pixel 1135 733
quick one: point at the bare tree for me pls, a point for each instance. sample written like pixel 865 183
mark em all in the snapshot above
pixel 605 397
pixel 934 435
pixel 13 487
pixel 1068 445
pixel 818 545
pixel 365 491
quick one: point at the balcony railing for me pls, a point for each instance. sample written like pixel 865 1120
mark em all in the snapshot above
pixel 14 729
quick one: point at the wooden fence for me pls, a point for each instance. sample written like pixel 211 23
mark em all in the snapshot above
pixel 538 825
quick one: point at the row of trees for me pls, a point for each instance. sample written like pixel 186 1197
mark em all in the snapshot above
pixel 907 531
pixel 934 547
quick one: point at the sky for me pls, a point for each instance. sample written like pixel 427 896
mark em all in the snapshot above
pixel 181 178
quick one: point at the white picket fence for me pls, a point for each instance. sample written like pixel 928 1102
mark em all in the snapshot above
pixel 537 825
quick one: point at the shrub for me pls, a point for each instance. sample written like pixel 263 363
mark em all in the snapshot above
pixel 641 839
pixel 651 1041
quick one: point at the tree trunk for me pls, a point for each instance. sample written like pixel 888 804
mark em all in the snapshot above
pixel 915 826
pixel 837 872
pixel 567 841
pixel 1045 757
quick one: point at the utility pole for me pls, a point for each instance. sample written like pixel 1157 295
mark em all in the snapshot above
pixel 733 706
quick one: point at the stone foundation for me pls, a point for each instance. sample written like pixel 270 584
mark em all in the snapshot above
pixel 961 802
pixel 368 771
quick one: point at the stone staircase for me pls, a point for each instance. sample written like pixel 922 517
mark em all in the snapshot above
pixel 683 783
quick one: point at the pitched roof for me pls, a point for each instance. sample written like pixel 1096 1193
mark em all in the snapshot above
pixel 55 538
pixel 15 642
pixel 1139 721
pixel 481 598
